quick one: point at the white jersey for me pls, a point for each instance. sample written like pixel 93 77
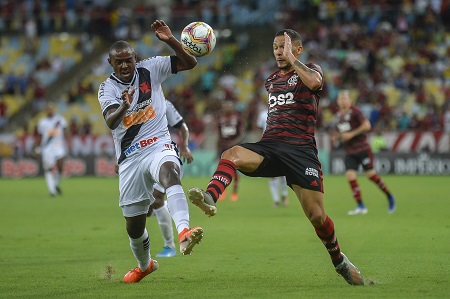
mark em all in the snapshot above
pixel 145 121
pixel 52 131
pixel 172 114
pixel 261 121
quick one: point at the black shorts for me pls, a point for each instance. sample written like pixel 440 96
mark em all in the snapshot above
pixel 364 158
pixel 299 163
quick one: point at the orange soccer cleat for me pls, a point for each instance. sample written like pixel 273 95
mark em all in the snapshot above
pixel 223 196
pixel 136 274
pixel 234 197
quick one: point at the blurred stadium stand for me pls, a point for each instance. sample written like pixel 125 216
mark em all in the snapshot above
pixel 392 55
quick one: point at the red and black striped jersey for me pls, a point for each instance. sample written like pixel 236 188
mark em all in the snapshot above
pixel 293 108
pixel 349 121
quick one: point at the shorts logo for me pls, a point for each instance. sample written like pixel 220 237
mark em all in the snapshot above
pixel 169 147
pixel 312 171
pixel 366 161
pixel 140 144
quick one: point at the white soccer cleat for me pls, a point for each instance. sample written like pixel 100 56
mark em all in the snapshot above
pixel 203 200
pixel 350 273
pixel 358 211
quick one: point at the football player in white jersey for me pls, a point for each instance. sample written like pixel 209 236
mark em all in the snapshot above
pixel 51 144
pixel 134 108
pixel 277 185
pixel 159 206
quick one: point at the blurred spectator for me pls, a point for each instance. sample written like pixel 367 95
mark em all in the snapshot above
pixel 378 142
pixel 3 113
pixel 446 120
pixel 2 82
pixel 197 130
pixel 208 81
pixel 86 127
pixel 73 127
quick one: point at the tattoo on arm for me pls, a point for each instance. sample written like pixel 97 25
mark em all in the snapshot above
pixel 303 67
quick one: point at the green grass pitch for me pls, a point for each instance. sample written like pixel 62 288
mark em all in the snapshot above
pixel 75 246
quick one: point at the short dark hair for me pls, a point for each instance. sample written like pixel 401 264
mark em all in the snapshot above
pixel 294 35
pixel 120 46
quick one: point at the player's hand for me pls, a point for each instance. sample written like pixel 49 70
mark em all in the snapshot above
pixel 186 154
pixel 162 31
pixel 127 96
pixel 287 51
pixel 346 136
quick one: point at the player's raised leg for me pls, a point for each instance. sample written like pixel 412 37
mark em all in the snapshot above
pixel 235 158
pixel 221 179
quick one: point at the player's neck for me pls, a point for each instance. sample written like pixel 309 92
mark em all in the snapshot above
pixel 286 71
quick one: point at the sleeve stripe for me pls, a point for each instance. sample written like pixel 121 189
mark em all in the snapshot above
pixel 173 64
pixel 109 108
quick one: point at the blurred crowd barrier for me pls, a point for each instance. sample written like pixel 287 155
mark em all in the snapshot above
pixel 405 153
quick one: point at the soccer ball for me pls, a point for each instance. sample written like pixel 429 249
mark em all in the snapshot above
pixel 198 39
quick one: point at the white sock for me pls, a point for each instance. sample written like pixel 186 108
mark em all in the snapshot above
pixel 273 184
pixel 50 179
pixel 141 250
pixel 283 186
pixel 178 207
pixel 57 176
pixel 165 224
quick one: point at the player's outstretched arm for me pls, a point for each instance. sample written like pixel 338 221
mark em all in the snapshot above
pixel 163 33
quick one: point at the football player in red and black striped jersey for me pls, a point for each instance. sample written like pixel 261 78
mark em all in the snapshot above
pixel 287 148
pixel 352 127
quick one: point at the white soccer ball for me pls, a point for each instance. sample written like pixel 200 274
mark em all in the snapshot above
pixel 198 39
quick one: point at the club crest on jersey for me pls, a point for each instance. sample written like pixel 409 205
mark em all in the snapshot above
pixel 145 87
pixel 293 80
pixel 347 117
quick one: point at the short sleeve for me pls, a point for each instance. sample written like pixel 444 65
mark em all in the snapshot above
pixel 172 114
pixel 160 67
pixel 108 97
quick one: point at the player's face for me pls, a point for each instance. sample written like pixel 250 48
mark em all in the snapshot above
pixel 123 62
pixel 50 110
pixel 344 101
pixel 278 48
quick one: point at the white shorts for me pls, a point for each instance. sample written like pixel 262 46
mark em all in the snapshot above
pixel 138 176
pixel 50 156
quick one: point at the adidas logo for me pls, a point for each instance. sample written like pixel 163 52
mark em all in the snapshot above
pixel 314 183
